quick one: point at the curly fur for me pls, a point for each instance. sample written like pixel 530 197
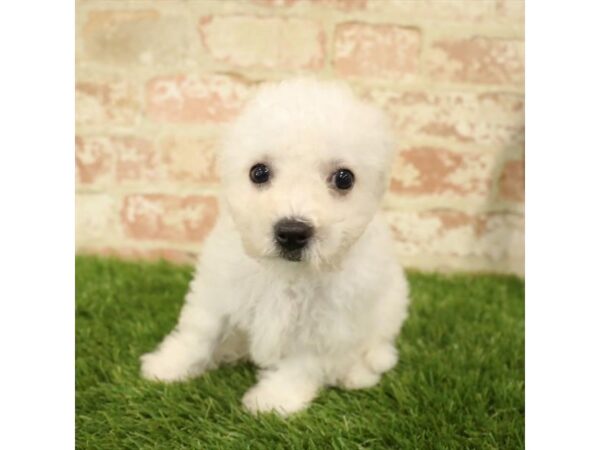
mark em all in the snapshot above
pixel 329 319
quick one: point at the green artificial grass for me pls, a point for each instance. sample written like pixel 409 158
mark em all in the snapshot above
pixel 459 383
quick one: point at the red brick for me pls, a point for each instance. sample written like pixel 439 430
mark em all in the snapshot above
pixel 168 217
pixel 269 42
pixel 181 98
pixel 136 37
pixel 512 181
pixel 362 49
pixel 93 159
pixel 272 3
pixel 136 160
pixel 488 119
pixel 436 171
pixel 511 9
pixel 342 5
pixel 473 11
pixel 480 60
pixel 497 236
pixel 189 160
pixel 111 102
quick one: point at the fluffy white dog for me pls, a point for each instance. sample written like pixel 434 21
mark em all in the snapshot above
pixel 299 274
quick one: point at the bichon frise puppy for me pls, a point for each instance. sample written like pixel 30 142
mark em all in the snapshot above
pixel 299 274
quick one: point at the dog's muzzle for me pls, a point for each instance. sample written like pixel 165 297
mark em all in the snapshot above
pixel 292 236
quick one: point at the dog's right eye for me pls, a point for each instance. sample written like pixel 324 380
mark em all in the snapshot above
pixel 260 173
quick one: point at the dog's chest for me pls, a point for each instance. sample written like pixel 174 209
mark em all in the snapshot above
pixel 285 317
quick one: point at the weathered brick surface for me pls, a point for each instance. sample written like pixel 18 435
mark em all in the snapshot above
pixel 480 60
pixel 511 9
pixel 276 3
pixel 435 171
pixel 134 37
pixel 382 50
pixel 489 119
pixel 106 160
pixel 190 98
pixel 93 160
pixel 137 160
pixel 157 83
pixel 111 102
pixel 190 160
pixel 474 11
pixel 96 217
pixel 454 233
pixel 342 5
pixel 168 217
pixel 512 181
pixel 246 41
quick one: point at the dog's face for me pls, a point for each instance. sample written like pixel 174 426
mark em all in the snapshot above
pixel 304 169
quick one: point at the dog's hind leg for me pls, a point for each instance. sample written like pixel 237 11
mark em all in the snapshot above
pixel 379 354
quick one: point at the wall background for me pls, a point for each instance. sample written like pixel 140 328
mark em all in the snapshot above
pixel 156 81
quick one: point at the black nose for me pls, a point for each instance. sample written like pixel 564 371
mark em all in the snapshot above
pixel 292 234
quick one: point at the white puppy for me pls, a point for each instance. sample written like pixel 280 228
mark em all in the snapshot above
pixel 299 274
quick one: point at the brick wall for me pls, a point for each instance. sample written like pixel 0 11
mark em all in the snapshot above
pixel 156 81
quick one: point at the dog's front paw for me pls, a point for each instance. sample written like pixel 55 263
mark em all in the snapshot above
pixel 381 358
pixel 359 377
pixel 162 366
pixel 269 398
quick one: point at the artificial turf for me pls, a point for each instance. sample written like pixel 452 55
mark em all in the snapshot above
pixel 459 383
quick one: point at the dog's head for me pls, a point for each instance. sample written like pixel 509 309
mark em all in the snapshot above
pixel 304 168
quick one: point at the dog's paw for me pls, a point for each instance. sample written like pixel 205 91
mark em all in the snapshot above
pixel 359 377
pixel 267 398
pixel 381 358
pixel 168 368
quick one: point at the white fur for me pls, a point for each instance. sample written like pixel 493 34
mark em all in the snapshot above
pixel 330 319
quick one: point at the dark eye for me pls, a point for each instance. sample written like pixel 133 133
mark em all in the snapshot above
pixel 343 179
pixel 260 173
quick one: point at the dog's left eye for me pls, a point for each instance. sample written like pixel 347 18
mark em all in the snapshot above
pixel 343 179
pixel 260 173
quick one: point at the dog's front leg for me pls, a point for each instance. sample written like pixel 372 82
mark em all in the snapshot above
pixel 188 349
pixel 288 387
